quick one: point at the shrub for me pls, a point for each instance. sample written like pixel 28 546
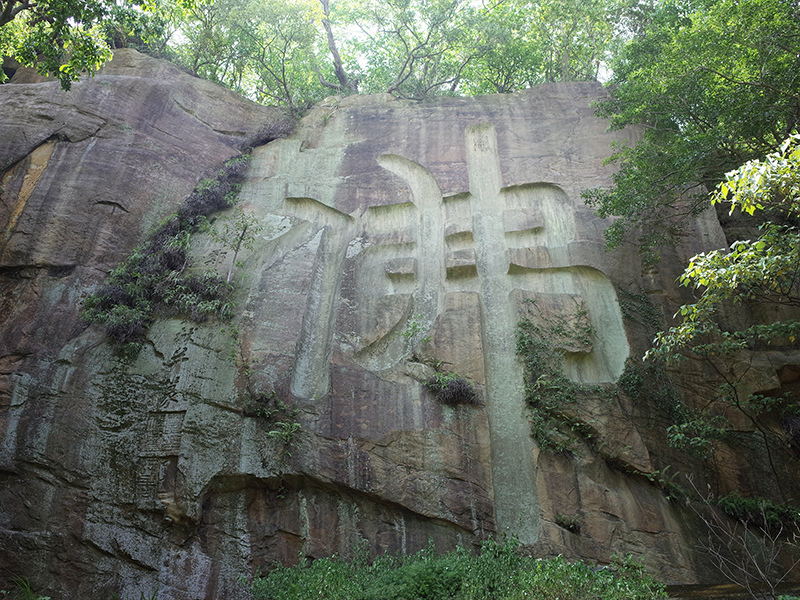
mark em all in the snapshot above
pixel 452 389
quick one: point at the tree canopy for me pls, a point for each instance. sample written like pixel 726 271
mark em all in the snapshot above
pixel 293 52
pixel 62 38
pixel 68 38
pixel 764 271
pixel 712 84
pixel 756 279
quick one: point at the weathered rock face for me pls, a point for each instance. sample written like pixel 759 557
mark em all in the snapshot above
pixel 85 175
pixel 397 238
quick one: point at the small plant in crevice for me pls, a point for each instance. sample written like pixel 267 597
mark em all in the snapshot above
pixel 414 332
pixel 571 523
pixel 22 591
pixel 279 418
pixel 452 389
pixel 284 432
pixel 673 491
pixel 152 278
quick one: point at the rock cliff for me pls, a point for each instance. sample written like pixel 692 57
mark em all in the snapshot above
pixel 398 240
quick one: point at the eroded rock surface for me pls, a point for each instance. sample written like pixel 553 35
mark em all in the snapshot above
pixel 398 238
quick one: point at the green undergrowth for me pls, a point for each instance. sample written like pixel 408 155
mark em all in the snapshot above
pixel 153 278
pixel 497 572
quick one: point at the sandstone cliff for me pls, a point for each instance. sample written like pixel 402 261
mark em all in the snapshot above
pixel 398 239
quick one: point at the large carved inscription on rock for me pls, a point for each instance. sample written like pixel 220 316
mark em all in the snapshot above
pixel 415 258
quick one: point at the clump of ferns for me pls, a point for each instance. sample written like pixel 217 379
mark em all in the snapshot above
pixel 452 389
pixel 152 278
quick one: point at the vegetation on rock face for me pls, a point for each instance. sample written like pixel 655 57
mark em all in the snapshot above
pixel 541 342
pixel 497 571
pixel 714 87
pixel 726 328
pixel 153 278
pixel 279 417
pixel 571 523
pixel 760 511
pixel 452 389
pixel 764 271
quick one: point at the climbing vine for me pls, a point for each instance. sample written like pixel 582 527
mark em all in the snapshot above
pixel 639 309
pixel 541 343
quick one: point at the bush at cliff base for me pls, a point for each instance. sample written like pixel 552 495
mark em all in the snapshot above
pixel 499 572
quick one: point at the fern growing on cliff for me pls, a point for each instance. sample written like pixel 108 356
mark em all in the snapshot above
pixel 152 278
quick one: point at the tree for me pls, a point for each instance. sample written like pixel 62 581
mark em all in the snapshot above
pixel 345 85
pixel 59 37
pixel 751 272
pixel 284 37
pixel 747 277
pixel 513 59
pixel 528 42
pixel 412 48
pixel 711 88
pixel 576 36
pixel 67 38
pixel 264 49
